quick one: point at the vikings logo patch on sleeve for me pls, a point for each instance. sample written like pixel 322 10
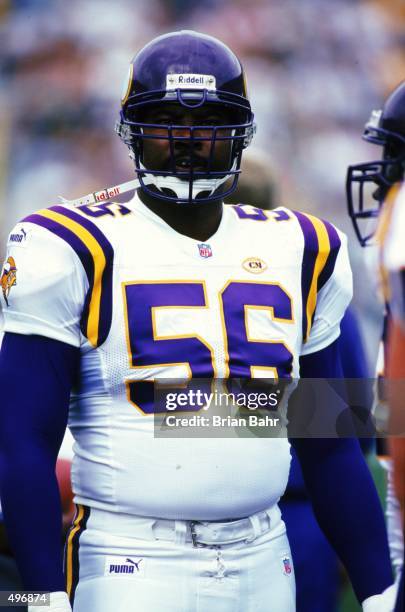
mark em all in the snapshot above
pixel 8 277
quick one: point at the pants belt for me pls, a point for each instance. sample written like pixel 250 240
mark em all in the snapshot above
pixel 200 533
pixel 211 533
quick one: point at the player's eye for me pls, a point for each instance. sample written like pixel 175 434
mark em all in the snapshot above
pixel 163 120
pixel 212 120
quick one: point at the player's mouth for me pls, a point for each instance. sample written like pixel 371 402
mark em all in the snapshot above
pixel 186 165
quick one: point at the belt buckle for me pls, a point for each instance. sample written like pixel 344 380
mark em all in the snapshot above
pixel 196 544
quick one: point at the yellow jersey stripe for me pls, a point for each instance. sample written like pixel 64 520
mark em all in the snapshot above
pixel 99 260
pixel 69 555
pixel 321 259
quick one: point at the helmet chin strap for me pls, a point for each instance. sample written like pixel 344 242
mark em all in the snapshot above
pixel 182 188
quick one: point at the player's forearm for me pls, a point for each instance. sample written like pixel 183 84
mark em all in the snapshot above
pixel 32 424
pixel 33 517
pixel 335 474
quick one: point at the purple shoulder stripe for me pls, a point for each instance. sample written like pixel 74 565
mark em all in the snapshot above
pixel 68 236
pixel 335 244
pixel 97 263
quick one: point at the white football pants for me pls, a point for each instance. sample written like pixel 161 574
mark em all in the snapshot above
pixel 122 563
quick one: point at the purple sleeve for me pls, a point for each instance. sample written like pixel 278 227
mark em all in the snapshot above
pixel 36 375
pixel 351 348
pixel 343 494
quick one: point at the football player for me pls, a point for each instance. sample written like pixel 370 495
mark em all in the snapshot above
pixel 394 264
pixel 102 299
pixel 385 204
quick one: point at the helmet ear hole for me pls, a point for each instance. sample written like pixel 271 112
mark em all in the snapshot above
pixel 394 173
pixel 394 149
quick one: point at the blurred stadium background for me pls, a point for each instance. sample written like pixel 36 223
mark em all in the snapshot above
pixel 315 70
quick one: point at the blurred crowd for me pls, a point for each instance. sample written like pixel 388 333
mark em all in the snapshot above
pixel 315 70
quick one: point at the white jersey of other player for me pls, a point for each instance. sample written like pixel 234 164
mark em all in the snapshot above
pixel 143 302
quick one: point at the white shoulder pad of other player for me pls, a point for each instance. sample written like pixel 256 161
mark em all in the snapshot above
pixel 384 602
pixel 59 602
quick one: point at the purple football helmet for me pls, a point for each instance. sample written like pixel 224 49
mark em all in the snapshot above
pixel 385 128
pixel 192 70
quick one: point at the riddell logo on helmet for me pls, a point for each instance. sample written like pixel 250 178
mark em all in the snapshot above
pixel 190 81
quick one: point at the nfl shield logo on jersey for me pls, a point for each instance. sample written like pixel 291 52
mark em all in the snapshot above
pixel 287 565
pixel 205 250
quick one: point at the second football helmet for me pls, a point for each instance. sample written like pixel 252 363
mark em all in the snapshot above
pixel 191 70
pixel 386 128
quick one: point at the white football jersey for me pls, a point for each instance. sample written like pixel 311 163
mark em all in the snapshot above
pixel 143 302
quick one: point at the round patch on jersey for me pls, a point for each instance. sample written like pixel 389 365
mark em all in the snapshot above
pixel 8 277
pixel 255 265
